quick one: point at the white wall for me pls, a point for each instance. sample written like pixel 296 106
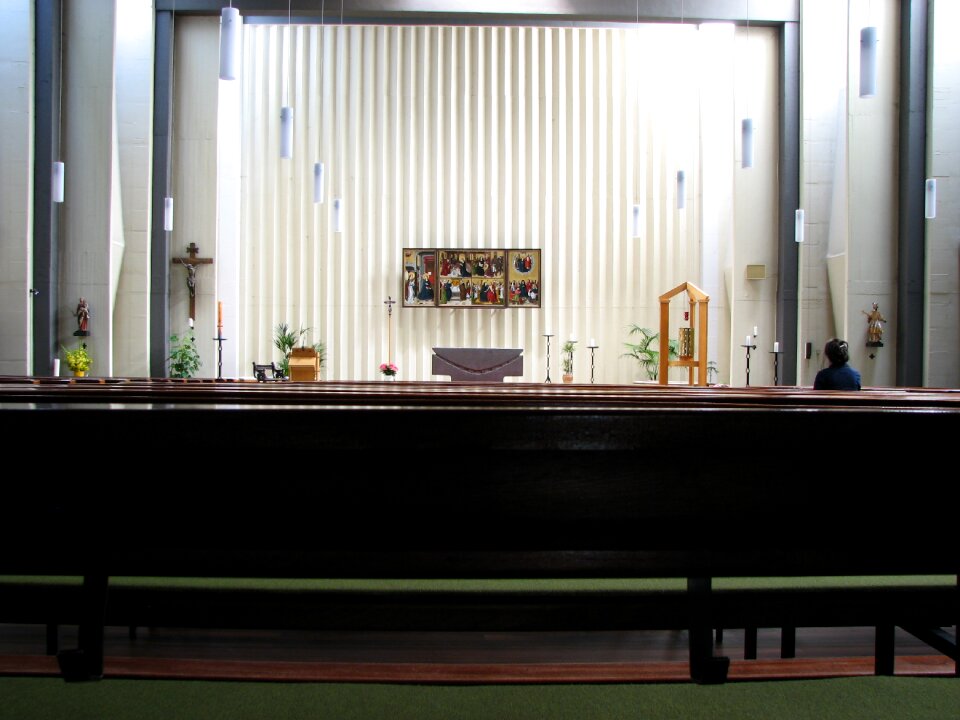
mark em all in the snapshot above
pixel 943 232
pixel 16 191
pixel 134 103
pixel 484 138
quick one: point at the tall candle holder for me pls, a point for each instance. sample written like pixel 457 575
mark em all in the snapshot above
pixel 219 341
pixel 776 365
pixel 749 346
pixel 593 348
pixel 548 336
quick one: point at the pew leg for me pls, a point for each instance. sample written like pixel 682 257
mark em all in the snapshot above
pixel 85 662
pixel 883 657
pixel 53 638
pixel 788 641
pixel 750 643
pixel 705 667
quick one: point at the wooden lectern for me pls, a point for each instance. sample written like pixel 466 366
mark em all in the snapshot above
pixel 698 323
pixel 304 365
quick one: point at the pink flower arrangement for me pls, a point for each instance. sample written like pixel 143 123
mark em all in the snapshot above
pixel 388 369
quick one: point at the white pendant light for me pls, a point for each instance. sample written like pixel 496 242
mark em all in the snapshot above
pixel 286 132
pixel 798 225
pixel 168 214
pixel 56 182
pixel 868 62
pixel 230 25
pixel 318 182
pixel 337 215
pixel 746 144
pixel 681 189
pixel 930 199
pixel 635 222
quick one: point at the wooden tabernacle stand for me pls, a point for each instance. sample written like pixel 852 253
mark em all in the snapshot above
pixel 698 323
pixel 304 365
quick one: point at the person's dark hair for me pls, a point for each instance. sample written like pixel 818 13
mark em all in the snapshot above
pixel 837 351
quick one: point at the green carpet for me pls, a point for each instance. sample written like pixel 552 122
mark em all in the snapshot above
pixel 869 698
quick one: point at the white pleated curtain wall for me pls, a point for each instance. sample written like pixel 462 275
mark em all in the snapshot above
pixel 467 138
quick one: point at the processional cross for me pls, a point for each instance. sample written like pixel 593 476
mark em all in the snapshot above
pixel 389 302
pixel 190 263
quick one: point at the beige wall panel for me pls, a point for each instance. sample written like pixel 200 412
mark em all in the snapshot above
pixel 16 173
pixel 873 148
pixel 194 180
pixel 87 213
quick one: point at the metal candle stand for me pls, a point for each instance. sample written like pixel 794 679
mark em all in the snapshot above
pixel 749 348
pixel 776 365
pixel 219 341
pixel 593 349
pixel 548 336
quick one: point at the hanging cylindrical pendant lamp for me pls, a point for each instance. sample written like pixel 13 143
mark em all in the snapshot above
pixel 286 132
pixel 318 182
pixel 168 214
pixel 798 225
pixel 337 215
pixel 635 222
pixel 868 62
pixel 746 132
pixel 930 199
pixel 56 183
pixel 230 25
pixel 681 189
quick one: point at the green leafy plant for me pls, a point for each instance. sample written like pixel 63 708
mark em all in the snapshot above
pixel 644 353
pixel 285 339
pixel 78 360
pixel 566 352
pixel 184 358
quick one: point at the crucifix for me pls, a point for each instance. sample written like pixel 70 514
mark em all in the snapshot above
pixel 389 302
pixel 190 263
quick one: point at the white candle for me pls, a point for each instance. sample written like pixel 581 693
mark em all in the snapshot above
pixel 571 338
pixel 56 367
pixel 755 333
pixel 191 323
pixel 776 347
pixel 593 343
pixel 747 341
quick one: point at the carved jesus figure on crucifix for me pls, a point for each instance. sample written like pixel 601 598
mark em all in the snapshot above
pixel 191 263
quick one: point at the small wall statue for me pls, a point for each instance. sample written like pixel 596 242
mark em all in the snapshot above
pixel 874 326
pixel 83 318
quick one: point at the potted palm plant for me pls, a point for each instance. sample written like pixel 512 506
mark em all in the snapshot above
pixel 644 353
pixel 566 360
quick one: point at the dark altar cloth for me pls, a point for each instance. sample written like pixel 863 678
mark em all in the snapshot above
pixel 478 364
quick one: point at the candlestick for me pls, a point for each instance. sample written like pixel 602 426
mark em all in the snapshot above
pixel 593 348
pixel 548 335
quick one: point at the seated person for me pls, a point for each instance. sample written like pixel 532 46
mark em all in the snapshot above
pixel 839 375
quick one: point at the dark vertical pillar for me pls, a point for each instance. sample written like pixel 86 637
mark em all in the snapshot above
pixel 788 272
pixel 911 259
pixel 162 150
pixel 46 213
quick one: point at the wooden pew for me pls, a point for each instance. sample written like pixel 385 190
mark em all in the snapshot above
pixel 451 480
